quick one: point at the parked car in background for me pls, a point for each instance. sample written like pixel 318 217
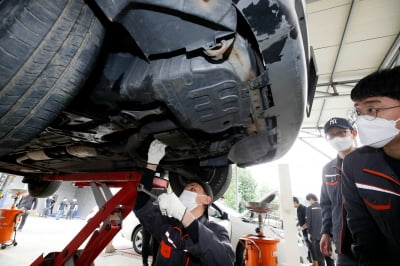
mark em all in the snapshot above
pixel 132 231
pixel 85 86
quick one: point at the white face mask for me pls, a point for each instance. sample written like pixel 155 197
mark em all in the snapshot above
pixel 378 132
pixel 188 199
pixel 341 144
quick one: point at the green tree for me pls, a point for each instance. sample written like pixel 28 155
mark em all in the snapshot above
pixel 247 189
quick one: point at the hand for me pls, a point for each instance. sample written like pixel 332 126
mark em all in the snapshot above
pixel 325 245
pixel 156 152
pixel 170 203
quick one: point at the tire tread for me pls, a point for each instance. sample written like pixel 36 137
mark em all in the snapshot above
pixel 39 82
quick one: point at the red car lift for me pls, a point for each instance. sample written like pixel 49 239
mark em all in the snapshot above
pixel 112 211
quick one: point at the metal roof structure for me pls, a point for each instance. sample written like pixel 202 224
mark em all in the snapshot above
pixel 350 39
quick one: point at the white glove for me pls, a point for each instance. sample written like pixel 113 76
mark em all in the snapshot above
pixel 156 152
pixel 170 203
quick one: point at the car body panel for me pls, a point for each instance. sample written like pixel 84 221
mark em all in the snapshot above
pixel 219 82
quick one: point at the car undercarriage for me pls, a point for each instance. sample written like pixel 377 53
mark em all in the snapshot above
pixel 86 86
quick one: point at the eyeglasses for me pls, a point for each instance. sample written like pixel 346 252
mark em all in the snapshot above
pixel 339 133
pixel 370 114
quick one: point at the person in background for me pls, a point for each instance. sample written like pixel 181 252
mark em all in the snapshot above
pixel 26 203
pixel 301 222
pixel 49 204
pixel 181 224
pixel 340 134
pixel 371 187
pixel 314 224
pixel 61 208
pixel 73 209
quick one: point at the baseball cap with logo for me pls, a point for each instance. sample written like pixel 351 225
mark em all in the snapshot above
pixel 337 122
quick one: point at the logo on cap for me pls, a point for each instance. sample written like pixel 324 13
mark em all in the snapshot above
pixel 332 122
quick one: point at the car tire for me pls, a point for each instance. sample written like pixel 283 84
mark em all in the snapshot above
pixel 137 239
pixel 47 50
pixel 43 189
pixel 219 180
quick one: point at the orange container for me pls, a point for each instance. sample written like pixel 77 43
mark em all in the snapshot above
pixel 8 220
pixel 261 251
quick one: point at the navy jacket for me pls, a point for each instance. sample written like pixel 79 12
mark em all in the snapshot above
pixel 313 218
pixel 202 243
pixel 331 199
pixel 371 194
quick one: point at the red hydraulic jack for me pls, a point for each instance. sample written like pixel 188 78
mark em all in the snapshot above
pixel 112 211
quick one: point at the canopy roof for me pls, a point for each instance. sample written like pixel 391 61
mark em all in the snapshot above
pixel 350 39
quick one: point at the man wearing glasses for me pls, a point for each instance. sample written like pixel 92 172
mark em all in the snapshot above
pixel 340 134
pixel 371 183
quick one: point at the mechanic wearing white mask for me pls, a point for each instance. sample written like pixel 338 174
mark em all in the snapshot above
pixel 186 235
pixel 340 134
pixel 371 186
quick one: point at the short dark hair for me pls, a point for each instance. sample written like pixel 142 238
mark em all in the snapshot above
pixel 295 199
pixel 311 196
pixel 384 83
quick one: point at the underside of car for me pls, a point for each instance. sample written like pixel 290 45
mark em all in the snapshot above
pixel 85 86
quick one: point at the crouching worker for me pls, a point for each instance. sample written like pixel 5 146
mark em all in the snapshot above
pixel 181 224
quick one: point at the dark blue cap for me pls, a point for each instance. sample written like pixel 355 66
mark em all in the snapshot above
pixel 337 122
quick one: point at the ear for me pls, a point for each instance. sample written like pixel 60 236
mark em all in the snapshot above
pixel 208 200
pixel 204 199
pixel 354 133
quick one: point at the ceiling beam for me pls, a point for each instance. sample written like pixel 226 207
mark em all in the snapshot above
pixel 330 96
pixel 341 43
pixel 391 58
pixel 337 82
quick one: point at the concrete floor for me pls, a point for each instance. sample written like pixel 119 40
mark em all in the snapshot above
pixel 45 235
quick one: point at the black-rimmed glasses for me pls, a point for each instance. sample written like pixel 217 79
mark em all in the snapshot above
pixel 370 113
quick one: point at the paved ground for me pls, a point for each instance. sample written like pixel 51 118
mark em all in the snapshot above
pixel 44 235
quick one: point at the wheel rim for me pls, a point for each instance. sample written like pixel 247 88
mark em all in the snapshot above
pixel 138 240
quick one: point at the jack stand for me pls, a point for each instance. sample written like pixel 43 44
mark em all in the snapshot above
pixel 112 211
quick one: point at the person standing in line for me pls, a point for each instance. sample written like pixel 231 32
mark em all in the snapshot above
pixel 301 222
pixel 61 208
pixel 314 224
pixel 26 203
pixel 72 209
pixel 340 134
pixel 371 187
pixel 49 204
